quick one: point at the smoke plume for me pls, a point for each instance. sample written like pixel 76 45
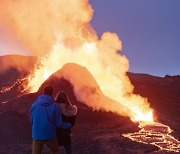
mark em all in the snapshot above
pixel 59 32
pixel 36 22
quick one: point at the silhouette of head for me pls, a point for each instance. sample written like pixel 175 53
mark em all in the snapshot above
pixel 48 90
pixel 62 97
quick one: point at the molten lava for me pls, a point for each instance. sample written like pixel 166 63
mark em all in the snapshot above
pixel 146 117
pixel 156 134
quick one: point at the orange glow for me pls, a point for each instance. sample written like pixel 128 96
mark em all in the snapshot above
pixel 46 74
pixel 147 117
pixel 59 32
pixel 111 84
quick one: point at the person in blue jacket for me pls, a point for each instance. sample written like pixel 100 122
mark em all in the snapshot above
pixel 45 118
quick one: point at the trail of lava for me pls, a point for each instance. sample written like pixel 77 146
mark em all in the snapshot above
pixel 11 99
pixel 157 134
pixel 17 82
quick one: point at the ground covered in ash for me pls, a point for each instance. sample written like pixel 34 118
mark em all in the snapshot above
pixel 95 131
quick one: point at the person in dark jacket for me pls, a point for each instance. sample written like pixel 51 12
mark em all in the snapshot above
pixel 69 112
pixel 45 118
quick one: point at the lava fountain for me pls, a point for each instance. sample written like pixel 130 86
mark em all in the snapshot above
pixel 112 83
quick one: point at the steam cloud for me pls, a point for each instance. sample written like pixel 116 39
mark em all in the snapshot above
pixel 36 22
pixel 58 32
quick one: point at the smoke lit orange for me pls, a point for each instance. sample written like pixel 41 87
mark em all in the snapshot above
pixel 59 32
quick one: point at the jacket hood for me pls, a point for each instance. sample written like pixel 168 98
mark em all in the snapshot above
pixel 68 111
pixel 45 100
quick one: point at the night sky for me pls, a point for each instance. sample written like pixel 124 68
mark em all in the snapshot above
pixel 149 31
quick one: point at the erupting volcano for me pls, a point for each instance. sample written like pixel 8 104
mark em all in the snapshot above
pixel 59 32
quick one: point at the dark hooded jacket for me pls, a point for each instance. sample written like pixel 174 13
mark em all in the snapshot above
pixel 45 118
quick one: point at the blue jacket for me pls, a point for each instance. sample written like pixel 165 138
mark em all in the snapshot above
pixel 45 118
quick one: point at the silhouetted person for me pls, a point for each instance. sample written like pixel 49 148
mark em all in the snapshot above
pixel 69 112
pixel 45 118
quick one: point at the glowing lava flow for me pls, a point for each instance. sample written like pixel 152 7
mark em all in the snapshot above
pixel 156 134
pixel 16 83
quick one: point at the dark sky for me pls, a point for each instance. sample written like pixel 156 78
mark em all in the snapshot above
pixel 148 29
